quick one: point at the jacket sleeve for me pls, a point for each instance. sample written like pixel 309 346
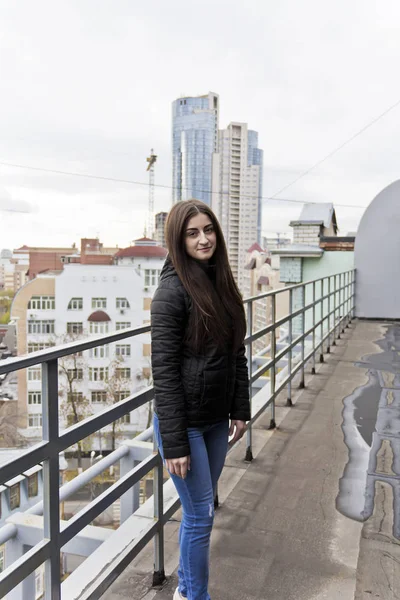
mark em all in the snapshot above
pixel 241 403
pixel 168 321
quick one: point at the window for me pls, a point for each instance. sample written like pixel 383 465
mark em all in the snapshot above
pixel 122 373
pixel 2 557
pixel 122 303
pixel 34 397
pixel 34 347
pixel 95 327
pixel 99 352
pixel 42 303
pixel 151 277
pixel 75 304
pixel 35 374
pixel 33 485
pixel 99 397
pixel 146 349
pixel 99 302
pixel 146 303
pixel 126 419
pixel 122 350
pixel 34 420
pixel 75 374
pixel 119 396
pixel 15 496
pixel 41 327
pixel 75 397
pixel 74 328
pixel 122 325
pixel 98 373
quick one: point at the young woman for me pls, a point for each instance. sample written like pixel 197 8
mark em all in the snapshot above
pixel 200 376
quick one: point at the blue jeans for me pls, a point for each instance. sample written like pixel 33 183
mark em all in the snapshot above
pixel 208 448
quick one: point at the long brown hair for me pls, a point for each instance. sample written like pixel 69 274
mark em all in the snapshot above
pixel 217 312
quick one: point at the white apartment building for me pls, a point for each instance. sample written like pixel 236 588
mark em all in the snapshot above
pixel 85 301
pixel 237 190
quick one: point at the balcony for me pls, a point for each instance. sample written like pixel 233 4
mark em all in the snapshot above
pixel 305 501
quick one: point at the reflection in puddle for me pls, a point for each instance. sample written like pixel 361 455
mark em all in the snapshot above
pixel 371 427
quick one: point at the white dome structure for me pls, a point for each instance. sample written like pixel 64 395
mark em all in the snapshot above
pixel 377 257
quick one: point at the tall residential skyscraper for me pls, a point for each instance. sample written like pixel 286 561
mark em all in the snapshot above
pixel 194 140
pixel 237 193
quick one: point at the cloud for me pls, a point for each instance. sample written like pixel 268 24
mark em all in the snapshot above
pixel 92 93
pixel 8 204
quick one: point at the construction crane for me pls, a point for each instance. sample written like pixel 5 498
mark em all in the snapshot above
pixel 151 160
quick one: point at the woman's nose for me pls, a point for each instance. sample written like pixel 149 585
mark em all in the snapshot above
pixel 203 238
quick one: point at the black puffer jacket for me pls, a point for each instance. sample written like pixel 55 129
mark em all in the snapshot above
pixel 190 390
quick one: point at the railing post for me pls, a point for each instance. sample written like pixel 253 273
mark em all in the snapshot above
pixel 273 358
pixel 352 294
pixel 289 387
pixel 313 331
pixel 346 296
pixel 303 341
pixel 51 483
pixel 343 287
pixel 338 318
pixel 334 302
pixel 328 349
pixel 321 354
pixel 249 434
pixel 159 570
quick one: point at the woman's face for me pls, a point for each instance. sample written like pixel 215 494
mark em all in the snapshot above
pixel 200 237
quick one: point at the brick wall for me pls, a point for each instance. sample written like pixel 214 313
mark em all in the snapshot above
pixel 306 234
pixel 291 270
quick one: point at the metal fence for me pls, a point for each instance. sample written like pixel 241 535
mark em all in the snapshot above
pixel 318 313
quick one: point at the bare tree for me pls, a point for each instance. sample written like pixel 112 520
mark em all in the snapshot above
pixel 9 418
pixel 117 387
pixel 74 406
pixel 147 377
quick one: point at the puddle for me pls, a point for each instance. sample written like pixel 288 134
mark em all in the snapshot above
pixel 371 428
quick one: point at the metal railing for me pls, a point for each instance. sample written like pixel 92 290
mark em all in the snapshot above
pixel 327 303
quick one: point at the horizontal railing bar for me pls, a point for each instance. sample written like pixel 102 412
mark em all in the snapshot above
pixel 70 488
pixel 22 362
pixel 7 532
pixel 286 319
pixel 81 430
pixel 262 409
pixel 259 373
pixel 291 287
pixel 99 505
pixel 129 553
pixel 28 459
pixel 24 566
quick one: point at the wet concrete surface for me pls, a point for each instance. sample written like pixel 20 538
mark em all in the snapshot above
pixel 383 367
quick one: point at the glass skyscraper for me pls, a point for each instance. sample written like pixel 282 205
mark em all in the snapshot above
pixel 194 140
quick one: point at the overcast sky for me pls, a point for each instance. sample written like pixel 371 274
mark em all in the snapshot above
pixel 87 86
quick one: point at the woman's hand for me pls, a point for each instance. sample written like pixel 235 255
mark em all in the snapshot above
pixel 178 466
pixel 238 428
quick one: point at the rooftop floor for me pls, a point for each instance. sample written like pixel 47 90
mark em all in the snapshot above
pixel 280 533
